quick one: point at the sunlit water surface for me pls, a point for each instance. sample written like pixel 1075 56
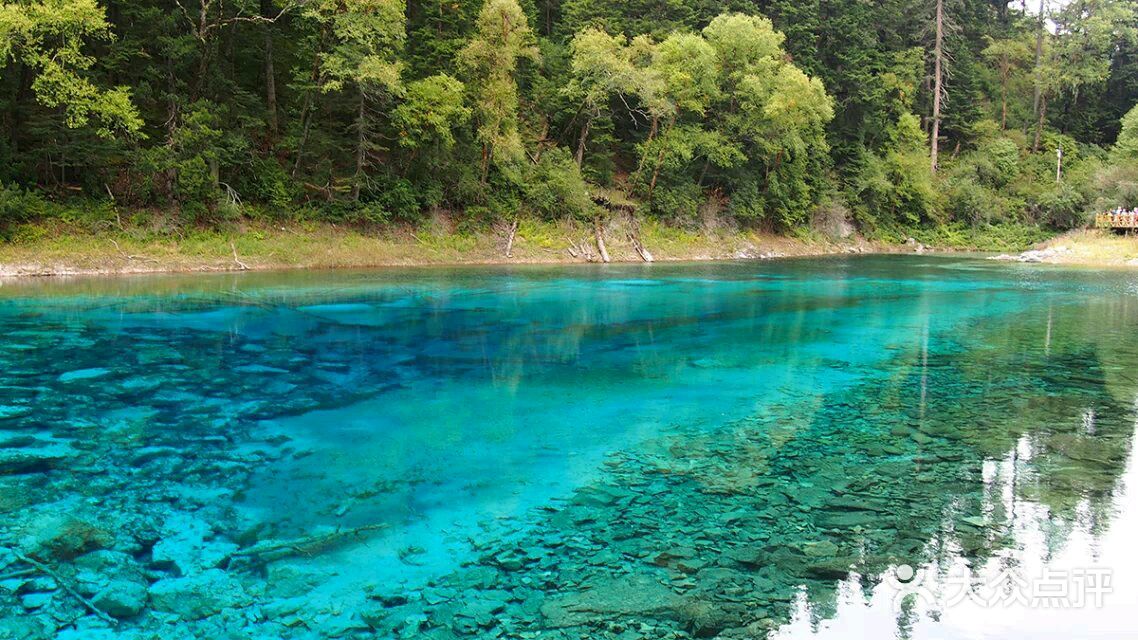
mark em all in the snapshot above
pixel 723 450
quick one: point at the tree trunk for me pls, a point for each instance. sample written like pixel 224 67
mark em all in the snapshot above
pixel 23 95
pixel 541 143
pixel 270 73
pixel 1038 93
pixel 581 143
pixel 938 83
pixel 1005 74
pixel 171 177
pixel 655 174
pixel 306 110
pixel 361 148
pixel 659 161
pixel 306 124
pixel 640 165
pixel 1039 122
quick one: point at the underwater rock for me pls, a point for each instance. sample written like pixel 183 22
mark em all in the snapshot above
pixel 33 460
pixel 820 549
pixel 147 454
pixel 620 597
pixel 105 565
pixel 848 519
pixel 831 568
pixel 122 598
pixel 280 608
pixel 292 580
pixel 199 596
pixel 83 374
pixel 705 619
pixel 84 631
pixel 37 600
pixel 140 385
pixel 747 556
pixel 258 368
pixel 62 536
pixel 599 496
pixel 852 503
pixel 338 626
pixel 188 549
pixel 18 442
pixel 26 627
pixel 921 438
pixel 511 559
pixel 480 610
pixel 12 411
pixel 977 522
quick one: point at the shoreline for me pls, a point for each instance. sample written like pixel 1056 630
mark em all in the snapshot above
pixel 265 248
pixel 66 253
pixel 1084 248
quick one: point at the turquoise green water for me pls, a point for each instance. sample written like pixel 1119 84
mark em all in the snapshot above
pixel 869 447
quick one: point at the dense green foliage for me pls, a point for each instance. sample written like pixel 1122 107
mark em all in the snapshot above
pixel 769 113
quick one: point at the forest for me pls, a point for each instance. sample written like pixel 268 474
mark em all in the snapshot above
pixel 781 115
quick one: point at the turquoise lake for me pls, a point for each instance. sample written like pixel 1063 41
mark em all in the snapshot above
pixel 862 447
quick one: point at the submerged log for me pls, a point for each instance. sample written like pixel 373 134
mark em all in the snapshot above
pixel 267 551
pixel 66 586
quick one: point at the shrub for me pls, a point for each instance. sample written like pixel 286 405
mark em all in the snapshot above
pixel 273 185
pixel 1116 186
pixel 748 205
pixel 896 189
pixel 998 163
pixel 1062 207
pixel 17 205
pixel 555 188
pixel 396 197
pixel 678 202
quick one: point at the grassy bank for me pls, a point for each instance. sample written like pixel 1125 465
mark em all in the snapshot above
pixel 1090 248
pixel 57 247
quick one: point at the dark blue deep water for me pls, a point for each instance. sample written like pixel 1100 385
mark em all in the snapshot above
pixel 872 447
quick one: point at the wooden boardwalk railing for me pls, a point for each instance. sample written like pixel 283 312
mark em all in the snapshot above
pixel 1128 220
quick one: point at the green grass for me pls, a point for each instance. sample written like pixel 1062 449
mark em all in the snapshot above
pixel 958 236
pixel 99 240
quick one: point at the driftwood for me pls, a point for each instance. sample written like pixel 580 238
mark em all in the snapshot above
pixel 267 551
pixel 129 257
pixel 598 230
pixel 645 255
pixel 634 237
pixel 66 586
pixel 510 239
pixel 242 265
pixel 581 250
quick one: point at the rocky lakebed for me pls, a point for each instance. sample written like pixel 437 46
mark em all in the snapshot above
pixel 127 492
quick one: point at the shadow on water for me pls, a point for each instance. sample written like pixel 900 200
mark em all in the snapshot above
pixel 732 451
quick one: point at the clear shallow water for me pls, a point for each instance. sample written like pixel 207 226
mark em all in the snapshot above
pixel 732 450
